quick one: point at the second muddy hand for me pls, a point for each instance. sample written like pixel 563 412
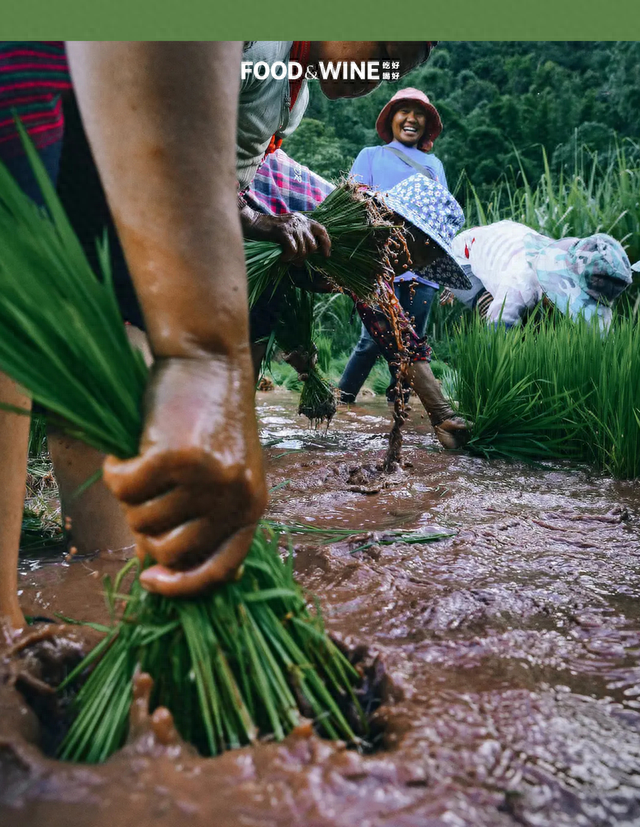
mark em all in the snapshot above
pixel 195 492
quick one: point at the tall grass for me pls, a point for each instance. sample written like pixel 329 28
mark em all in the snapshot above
pixel 553 389
pixel 337 319
pixel 592 198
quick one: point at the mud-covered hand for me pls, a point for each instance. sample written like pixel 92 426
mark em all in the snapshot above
pixel 302 361
pixel 194 494
pixel 298 235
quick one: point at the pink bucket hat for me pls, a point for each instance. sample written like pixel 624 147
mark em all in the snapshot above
pixel 433 126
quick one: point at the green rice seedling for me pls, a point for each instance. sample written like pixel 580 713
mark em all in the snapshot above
pixel 39 533
pixel 517 410
pixel 246 661
pixel 449 382
pixel 336 535
pixel 591 198
pixel 323 347
pixel 438 368
pixel 37 437
pixel 553 389
pixel 360 233
pixel 612 441
pixel 243 660
pixel 285 376
pixel 294 331
pixel 337 366
pixel 317 402
pixel 335 316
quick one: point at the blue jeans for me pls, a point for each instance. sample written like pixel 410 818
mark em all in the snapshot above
pixel 417 305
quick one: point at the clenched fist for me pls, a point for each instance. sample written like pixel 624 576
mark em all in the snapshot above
pixel 194 494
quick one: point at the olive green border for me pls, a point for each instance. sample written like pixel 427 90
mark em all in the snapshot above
pixel 322 19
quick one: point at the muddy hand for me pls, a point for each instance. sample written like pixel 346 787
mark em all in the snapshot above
pixel 302 361
pixel 298 235
pixel 196 491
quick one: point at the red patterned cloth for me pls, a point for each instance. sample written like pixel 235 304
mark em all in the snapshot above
pixel 282 185
pixel 33 74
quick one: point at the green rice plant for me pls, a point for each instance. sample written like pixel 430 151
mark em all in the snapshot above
pixel 37 436
pixel 39 533
pixel 336 318
pixel 590 199
pixel 379 378
pixel 247 660
pixel 323 346
pixel 360 232
pixel 285 376
pixel 337 366
pixel 448 379
pixel 294 332
pixel 438 368
pixel 243 660
pixel 612 441
pixel 553 389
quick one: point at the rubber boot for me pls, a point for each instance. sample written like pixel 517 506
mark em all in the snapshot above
pixel 452 430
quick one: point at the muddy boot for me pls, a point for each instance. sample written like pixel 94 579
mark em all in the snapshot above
pixel 452 430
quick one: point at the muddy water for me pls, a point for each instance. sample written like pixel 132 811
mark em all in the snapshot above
pixel 512 652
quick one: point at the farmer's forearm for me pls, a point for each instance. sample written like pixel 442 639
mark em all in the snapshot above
pixel 161 120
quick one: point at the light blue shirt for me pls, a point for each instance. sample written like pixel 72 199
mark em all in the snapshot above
pixel 380 169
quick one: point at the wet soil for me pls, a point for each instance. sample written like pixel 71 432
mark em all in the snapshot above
pixel 511 649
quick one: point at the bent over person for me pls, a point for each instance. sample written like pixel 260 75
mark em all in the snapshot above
pixel 431 217
pixel 195 492
pixel 513 269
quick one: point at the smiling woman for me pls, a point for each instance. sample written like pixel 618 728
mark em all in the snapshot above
pixel 408 124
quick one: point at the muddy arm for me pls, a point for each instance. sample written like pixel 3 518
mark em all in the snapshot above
pixel 161 121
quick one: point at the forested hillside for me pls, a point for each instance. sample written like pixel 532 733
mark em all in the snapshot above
pixel 499 101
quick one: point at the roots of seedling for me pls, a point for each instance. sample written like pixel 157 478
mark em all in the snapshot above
pixel 243 662
pixel 317 401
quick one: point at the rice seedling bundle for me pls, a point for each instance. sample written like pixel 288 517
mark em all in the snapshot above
pixel 246 661
pixel 294 330
pixel 363 244
pixel 553 389
pixel 362 239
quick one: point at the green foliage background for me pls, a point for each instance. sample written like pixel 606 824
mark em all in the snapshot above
pixel 499 102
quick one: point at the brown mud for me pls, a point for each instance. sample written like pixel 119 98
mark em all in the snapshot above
pixel 512 651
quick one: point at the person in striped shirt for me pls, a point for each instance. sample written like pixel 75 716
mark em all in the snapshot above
pixel 33 77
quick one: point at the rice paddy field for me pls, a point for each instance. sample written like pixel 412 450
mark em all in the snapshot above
pixel 504 655
pixel 487 600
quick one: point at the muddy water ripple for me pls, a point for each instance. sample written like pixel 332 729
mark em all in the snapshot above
pixel 511 649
